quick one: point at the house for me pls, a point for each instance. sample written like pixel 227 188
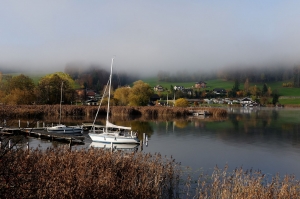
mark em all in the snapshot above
pixel 200 84
pixel 246 100
pixel 188 91
pixel 178 88
pixel 219 91
pixel 90 94
pixel 154 98
pixel 92 102
pixel 158 88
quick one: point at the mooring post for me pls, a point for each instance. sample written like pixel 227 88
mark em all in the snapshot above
pixel 37 124
pixel 27 145
pixel 144 139
pixel 43 124
pixel 111 146
pixel 9 143
pixel 19 124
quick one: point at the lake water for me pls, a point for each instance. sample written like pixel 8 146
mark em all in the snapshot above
pixel 265 139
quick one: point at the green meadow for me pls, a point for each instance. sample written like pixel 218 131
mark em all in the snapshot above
pixel 288 95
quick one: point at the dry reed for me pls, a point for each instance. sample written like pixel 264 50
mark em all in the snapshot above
pixel 97 173
pixel 92 173
pixel 247 184
pixel 154 112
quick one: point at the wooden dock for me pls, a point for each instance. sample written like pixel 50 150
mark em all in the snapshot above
pixel 43 134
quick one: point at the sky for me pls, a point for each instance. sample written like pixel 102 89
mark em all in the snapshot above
pixel 149 36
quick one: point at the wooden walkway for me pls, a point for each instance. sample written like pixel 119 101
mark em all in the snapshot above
pixel 43 134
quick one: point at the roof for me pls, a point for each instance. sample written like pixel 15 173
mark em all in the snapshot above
pixel 201 82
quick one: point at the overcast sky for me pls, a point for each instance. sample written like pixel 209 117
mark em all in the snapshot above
pixel 148 36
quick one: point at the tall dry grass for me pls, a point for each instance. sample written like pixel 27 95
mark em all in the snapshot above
pixel 244 184
pixel 92 173
pixel 40 111
pixel 97 173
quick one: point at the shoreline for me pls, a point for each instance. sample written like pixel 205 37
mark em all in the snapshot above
pixel 41 111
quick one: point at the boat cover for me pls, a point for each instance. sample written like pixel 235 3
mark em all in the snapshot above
pixel 108 124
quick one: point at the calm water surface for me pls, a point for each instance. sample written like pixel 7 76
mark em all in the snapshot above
pixel 259 138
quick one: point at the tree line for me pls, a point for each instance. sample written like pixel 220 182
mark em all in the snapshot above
pixel 21 89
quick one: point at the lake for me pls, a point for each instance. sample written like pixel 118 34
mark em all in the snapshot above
pixel 266 139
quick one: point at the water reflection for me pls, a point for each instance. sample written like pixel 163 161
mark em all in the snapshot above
pixel 124 147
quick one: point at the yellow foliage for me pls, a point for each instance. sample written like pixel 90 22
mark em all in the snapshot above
pixel 181 102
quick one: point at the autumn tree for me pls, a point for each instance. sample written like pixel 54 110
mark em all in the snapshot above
pixel 19 90
pixel 181 102
pixel 255 91
pixel 121 96
pixel 140 94
pixel 50 86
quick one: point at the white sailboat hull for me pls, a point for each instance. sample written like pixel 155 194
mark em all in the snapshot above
pixel 65 129
pixel 113 138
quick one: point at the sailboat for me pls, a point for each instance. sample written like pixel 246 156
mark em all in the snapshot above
pixel 113 133
pixel 61 128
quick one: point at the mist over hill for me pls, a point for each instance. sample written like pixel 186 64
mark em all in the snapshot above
pixel 252 73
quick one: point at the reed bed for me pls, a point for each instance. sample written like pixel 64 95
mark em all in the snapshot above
pixel 92 173
pixel 154 112
pixel 99 173
pixel 243 184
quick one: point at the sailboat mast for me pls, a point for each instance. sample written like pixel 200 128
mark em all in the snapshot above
pixel 107 114
pixel 62 83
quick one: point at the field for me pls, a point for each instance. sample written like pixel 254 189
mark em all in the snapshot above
pixel 219 83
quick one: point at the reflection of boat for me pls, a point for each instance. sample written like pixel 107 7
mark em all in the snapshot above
pixel 113 133
pixel 115 146
pixel 61 128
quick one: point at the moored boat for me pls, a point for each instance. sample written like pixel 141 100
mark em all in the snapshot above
pixel 113 133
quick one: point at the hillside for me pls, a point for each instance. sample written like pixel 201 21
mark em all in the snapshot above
pixel 287 95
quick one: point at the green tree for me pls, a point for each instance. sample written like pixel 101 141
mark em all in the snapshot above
pixel 246 86
pixel 140 94
pixel 121 95
pixel 275 97
pixel 264 91
pixel 181 102
pixel 49 88
pixel 235 89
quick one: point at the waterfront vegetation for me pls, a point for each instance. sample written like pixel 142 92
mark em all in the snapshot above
pixel 93 173
pixel 147 112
